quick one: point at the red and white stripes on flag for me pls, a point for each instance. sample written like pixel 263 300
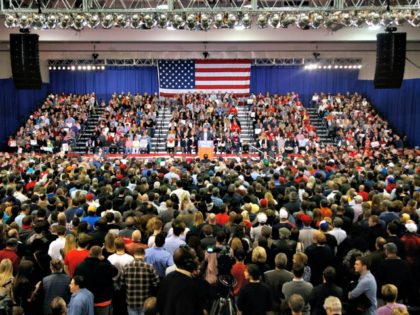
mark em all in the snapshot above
pixel 204 76
pixel 233 76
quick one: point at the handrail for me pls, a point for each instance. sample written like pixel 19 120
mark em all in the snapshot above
pixel 262 152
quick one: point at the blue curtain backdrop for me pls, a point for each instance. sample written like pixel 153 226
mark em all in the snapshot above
pixel 399 106
pixel 106 82
pixel 15 106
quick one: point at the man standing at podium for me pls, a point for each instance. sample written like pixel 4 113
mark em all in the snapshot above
pixel 206 135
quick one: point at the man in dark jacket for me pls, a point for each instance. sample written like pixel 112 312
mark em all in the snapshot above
pixel 98 273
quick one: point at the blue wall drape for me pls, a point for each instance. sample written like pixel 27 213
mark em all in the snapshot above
pixel 399 106
pixel 15 106
pixel 106 82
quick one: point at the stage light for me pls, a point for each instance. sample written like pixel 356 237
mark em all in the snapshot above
pixel 319 67
pixel 49 68
pixel 401 18
pixel 83 67
pixel 10 21
pixel 68 68
pixel 65 20
pixel 93 20
pixel 346 19
pixel 93 68
pixel 274 20
pixel 324 67
pixel 246 21
pixel 162 21
pixel 341 67
pixel 288 19
pixel 345 66
pixel 218 20
pixel 232 20
pixel 262 21
pixel 388 19
pixel 205 22
pixel 135 21
pixel 359 66
pixel 79 67
pixel 103 67
pixel 73 68
pixel 121 21
pixel 24 21
pixel 107 21
pixel 79 22
pixel 89 68
pixel 177 22
pixel 359 19
pixel 52 20
pixel 336 67
pixel 329 66
pixel 303 21
pixel 415 20
pixel 38 21
pixel 190 22
pixel 316 20
pixel 331 21
pixel 58 68
pixel 373 19
pixel 54 68
pixel 148 21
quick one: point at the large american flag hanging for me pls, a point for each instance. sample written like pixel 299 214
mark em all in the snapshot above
pixel 206 76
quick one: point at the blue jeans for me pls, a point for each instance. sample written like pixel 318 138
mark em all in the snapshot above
pixel 135 311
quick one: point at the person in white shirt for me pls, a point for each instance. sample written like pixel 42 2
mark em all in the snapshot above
pixel 56 246
pixel 339 234
pixel 120 259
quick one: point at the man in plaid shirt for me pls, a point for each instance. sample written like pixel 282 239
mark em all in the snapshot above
pixel 140 280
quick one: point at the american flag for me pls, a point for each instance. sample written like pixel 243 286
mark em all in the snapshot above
pixel 206 76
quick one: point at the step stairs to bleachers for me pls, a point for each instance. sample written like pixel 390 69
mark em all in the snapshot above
pixel 92 122
pixel 247 128
pixel 320 126
pixel 158 142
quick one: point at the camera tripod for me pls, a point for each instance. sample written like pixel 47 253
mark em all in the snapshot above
pixel 225 303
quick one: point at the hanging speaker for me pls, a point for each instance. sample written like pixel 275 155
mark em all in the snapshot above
pixel 390 60
pixel 24 55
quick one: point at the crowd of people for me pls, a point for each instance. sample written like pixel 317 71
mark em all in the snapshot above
pixel 324 232
pixel 196 117
pixel 57 121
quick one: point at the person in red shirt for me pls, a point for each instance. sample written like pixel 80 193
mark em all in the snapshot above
pixel 238 270
pixel 76 256
pixel 222 217
pixel 10 253
pixel 363 193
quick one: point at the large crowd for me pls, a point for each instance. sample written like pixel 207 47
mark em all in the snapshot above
pixel 325 230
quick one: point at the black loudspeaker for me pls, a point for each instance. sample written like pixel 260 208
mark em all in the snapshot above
pixel 390 60
pixel 24 55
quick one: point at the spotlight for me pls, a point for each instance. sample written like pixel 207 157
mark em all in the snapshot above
pixel 190 22
pixel 204 22
pixel 162 21
pixel 324 67
pixel 93 20
pixel 316 20
pixel 373 19
pixel 346 19
pixel 79 22
pixel 121 21
pixel 24 21
pixel 319 67
pixel 345 67
pixel 218 20
pixel 148 21
pixel 246 20
pixel 93 68
pixel 38 21
pixel 52 21
pixel 400 18
pixel 329 66
pixel 359 66
pixel 89 68
pixel 10 21
pixel 262 21
pixel 73 68
pixel 359 19
pixel 303 21
pixel 107 21
pixel 68 68
pixel 178 22
pixel 65 20
pixel 388 19
pixel 103 67
pixel 58 68
pixel 83 67
pixel 331 21
pixel 49 68
pixel 54 68
pixel 135 21
pixel 274 20
pixel 288 19
pixel 232 20
pixel 79 67
pixel 341 67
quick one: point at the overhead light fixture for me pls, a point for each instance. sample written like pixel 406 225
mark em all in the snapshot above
pixel 287 20
pixel 232 20
pixel 73 68
pixel 10 21
pixel 303 21
pixel 246 20
pixel 79 22
pixel 316 20
pixel 24 21
pixel 107 21
pixel 103 67
pixel 162 7
pixel 415 20
pixel 65 20
pixel 262 20
pixel 205 22
pixel 93 20
pixel 190 22
pixel 274 20
pixel 38 21
pixel 177 22
pixel 218 20
pixel 121 21
pixel 148 21
pixel 52 21
pixel 135 21
pixel 162 20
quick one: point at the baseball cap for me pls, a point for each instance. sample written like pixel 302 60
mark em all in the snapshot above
pixel 323 225
pixel 283 214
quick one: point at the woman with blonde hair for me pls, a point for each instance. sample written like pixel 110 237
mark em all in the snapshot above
pixel 197 223
pixel 389 294
pixel 69 244
pixel 269 197
pixel 6 285
pixel 302 258
pixel 109 247
pixel 259 257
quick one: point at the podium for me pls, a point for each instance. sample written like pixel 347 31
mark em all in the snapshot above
pixel 205 147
